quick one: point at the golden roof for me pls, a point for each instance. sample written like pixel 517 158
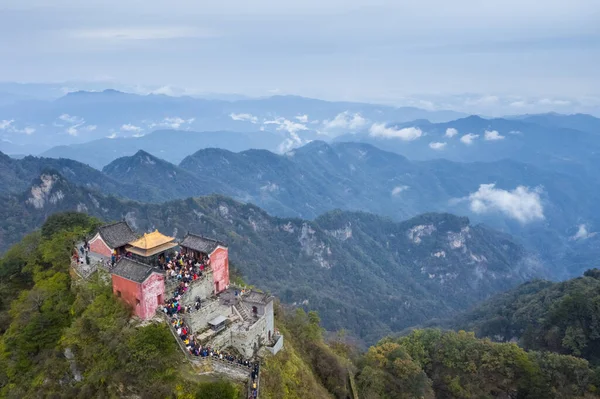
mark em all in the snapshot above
pixel 151 240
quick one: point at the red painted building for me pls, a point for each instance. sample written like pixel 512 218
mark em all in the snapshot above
pixel 112 237
pixel 216 251
pixel 141 286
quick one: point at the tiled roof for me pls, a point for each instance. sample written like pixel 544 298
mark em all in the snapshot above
pixel 117 234
pixel 133 270
pixel 201 244
pixel 256 297
pixel 151 240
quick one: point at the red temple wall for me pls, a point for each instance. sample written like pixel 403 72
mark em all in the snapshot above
pixel 153 294
pixel 97 245
pixel 130 292
pixel 219 263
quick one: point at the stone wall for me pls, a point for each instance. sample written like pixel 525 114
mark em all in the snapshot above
pixel 198 320
pixel 277 347
pixel 231 370
pixel 222 340
pixel 245 341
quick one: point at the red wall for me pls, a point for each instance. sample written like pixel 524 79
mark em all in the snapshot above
pixel 147 293
pixel 152 288
pixel 219 263
pixel 97 245
pixel 130 291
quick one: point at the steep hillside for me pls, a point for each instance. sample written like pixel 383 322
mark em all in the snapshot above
pixel 362 272
pixel 559 317
pixel 16 175
pixel 149 174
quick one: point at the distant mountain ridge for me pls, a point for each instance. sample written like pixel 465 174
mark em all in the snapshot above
pixel 81 117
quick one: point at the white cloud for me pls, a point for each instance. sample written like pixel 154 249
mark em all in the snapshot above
pixel 138 135
pixel 583 233
pixel 399 189
pixel 406 134
pixel 71 119
pixel 437 145
pixel 73 131
pixel 302 118
pixel 522 204
pixel 287 125
pixel 451 132
pixel 244 117
pixel 128 127
pixel 294 140
pixel 90 128
pixel 4 124
pixel 550 101
pixel 345 120
pixel 28 130
pixel 468 138
pixel 112 136
pixel 492 135
pixel 514 132
pixel 172 122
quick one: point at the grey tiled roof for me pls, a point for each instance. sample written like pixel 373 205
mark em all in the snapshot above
pixel 202 244
pixel 117 234
pixel 133 270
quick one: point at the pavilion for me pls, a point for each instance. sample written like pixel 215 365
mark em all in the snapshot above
pixel 151 247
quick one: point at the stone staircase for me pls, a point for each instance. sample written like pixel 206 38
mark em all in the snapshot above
pixel 244 312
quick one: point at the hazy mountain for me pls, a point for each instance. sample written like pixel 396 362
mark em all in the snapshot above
pixel 171 145
pixel 583 122
pixel 483 140
pixel 362 272
pixel 84 116
pixel 149 174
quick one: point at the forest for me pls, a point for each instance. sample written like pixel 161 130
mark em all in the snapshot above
pixel 67 338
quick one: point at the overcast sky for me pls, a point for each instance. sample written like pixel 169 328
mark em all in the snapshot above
pixel 335 49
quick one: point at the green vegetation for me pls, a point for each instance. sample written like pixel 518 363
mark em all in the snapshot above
pixel 559 317
pixel 432 363
pixel 77 340
pixel 308 367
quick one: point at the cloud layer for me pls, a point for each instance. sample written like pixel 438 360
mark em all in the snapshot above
pixel 406 134
pixel 522 204
pixel 492 135
pixel 469 138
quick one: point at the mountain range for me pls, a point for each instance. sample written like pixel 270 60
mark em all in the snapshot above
pixel 364 273
pixel 551 212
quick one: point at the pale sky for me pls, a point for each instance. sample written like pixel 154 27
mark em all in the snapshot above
pixel 336 49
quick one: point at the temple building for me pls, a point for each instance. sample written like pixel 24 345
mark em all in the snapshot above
pixel 141 286
pixel 216 251
pixel 151 248
pixel 190 282
pixel 112 239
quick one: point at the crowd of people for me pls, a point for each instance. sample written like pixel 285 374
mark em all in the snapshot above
pixel 186 269
pixel 196 349
pixel 183 267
